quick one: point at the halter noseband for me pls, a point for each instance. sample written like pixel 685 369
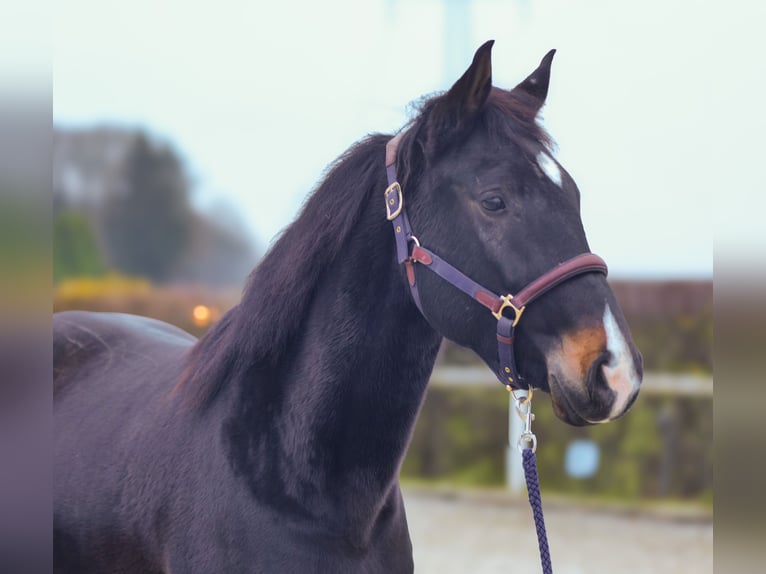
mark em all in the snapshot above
pixel 409 251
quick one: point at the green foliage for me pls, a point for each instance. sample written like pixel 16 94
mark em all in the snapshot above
pixel 676 343
pixel 456 438
pixel 133 190
pixel 148 222
pixel 661 449
pixel 75 250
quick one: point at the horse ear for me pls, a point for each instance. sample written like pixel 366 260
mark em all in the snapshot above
pixel 534 89
pixel 454 110
pixel 470 92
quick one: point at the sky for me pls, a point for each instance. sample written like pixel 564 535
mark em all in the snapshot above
pixel 260 97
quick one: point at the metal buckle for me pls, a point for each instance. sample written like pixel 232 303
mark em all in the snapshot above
pixel 523 400
pixel 389 214
pixel 506 299
pixel 524 410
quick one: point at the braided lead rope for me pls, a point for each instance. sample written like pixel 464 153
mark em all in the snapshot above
pixel 533 489
pixel 527 445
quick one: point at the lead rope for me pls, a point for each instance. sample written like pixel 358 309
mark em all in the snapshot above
pixel 529 461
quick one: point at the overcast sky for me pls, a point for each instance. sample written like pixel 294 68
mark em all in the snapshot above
pixel 260 97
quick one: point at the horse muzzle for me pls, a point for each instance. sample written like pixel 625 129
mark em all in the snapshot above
pixel 594 374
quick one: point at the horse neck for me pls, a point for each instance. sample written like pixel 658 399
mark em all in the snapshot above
pixel 324 430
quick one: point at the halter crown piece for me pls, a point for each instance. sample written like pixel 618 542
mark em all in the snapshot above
pixel 507 309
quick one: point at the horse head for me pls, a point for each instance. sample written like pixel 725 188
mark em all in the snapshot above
pixel 485 193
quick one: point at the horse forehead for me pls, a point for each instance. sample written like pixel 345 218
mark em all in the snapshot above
pixel 485 163
pixel 549 167
pixel 490 165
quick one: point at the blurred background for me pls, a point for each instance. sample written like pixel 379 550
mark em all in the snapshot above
pixel 185 137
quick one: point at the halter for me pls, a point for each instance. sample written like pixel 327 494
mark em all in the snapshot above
pixel 410 252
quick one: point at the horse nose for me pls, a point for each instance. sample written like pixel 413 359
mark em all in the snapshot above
pixel 597 383
pixel 613 382
pixel 597 369
pixel 638 361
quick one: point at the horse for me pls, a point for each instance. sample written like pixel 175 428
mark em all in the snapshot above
pixel 274 442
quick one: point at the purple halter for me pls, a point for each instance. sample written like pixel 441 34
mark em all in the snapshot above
pixel 409 251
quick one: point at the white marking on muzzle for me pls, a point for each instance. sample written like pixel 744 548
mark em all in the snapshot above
pixel 620 372
pixel 549 167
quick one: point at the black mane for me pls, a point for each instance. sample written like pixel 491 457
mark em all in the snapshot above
pixel 257 331
pixel 280 288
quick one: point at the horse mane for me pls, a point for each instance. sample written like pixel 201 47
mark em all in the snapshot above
pixel 280 289
pixel 256 332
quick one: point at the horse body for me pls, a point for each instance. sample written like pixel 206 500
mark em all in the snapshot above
pixel 274 443
pixel 112 462
pixel 291 469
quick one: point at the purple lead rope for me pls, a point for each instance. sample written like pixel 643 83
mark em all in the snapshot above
pixel 533 489
pixel 529 462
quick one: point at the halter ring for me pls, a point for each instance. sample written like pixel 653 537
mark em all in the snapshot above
pixel 506 299
pixel 523 400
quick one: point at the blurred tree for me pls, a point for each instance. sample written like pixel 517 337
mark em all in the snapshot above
pixel 75 249
pixel 133 191
pixel 222 252
pixel 147 218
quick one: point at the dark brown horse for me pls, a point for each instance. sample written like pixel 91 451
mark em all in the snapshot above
pixel 274 443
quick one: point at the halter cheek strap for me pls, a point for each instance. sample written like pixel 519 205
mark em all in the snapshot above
pixel 507 309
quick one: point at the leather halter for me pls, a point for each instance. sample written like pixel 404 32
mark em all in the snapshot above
pixel 410 252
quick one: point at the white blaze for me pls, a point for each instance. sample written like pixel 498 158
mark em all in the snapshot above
pixel 549 167
pixel 620 372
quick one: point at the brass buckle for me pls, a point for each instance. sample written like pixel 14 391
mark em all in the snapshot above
pixel 506 299
pixel 389 214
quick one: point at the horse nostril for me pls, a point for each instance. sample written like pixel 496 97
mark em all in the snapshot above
pixel 596 376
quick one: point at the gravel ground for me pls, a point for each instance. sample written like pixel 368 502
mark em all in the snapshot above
pixel 482 533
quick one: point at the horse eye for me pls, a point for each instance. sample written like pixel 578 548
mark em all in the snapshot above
pixel 493 203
